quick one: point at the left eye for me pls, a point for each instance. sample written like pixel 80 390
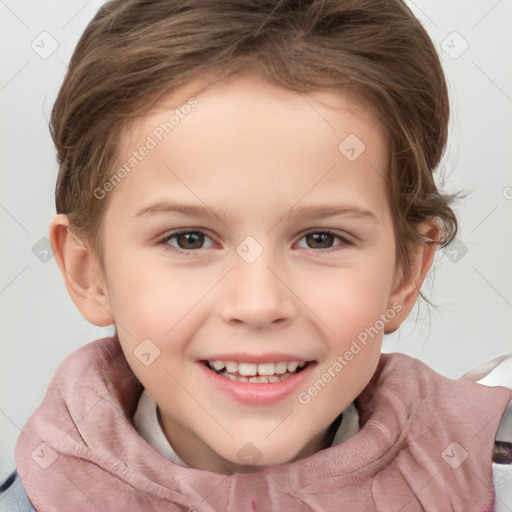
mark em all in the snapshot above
pixel 320 240
pixel 188 240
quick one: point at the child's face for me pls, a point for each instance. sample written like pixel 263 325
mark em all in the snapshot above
pixel 252 169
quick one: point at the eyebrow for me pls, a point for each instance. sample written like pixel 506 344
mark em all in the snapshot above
pixel 165 207
pixel 305 212
pixel 312 212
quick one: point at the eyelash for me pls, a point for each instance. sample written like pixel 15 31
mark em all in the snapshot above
pixel 165 241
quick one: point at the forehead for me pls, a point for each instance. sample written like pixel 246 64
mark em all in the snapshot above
pixel 263 137
pixel 247 97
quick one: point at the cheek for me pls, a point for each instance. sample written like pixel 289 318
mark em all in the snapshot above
pixel 154 311
pixel 353 318
pixel 152 301
pixel 350 299
pixel 352 304
pixel 148 295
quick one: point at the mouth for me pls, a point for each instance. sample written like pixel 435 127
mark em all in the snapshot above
pixel 261 381
pixel 257 373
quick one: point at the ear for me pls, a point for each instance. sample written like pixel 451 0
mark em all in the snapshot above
pixel 81 272
pixel 407 285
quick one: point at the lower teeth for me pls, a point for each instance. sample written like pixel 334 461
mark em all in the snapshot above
pixel 258 379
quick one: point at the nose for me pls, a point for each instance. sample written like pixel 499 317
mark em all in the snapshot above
pixel 257 296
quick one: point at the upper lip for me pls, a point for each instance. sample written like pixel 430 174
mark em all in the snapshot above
pixel 257 358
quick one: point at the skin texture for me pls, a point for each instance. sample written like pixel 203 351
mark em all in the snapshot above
pixel 258 157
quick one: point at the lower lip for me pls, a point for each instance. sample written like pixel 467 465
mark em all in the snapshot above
pixel 258 393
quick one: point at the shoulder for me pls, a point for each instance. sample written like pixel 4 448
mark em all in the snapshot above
pixel 498 372
pixel 13 497
pixel 424 384
pixel 96 364
pixel 103 352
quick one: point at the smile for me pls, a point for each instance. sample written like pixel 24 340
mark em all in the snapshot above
pixel 257 383
pixel 257 373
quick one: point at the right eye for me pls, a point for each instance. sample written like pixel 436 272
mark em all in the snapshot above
pixel 186 241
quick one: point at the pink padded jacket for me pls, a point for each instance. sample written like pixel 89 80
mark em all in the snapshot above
pixel 425 443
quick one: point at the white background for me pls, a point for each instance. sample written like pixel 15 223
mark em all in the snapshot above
pixel 472 320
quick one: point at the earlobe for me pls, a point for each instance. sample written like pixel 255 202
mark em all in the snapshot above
pixel 408 284
pixel 80 270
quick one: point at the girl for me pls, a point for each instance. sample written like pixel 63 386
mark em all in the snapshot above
pixel 246 192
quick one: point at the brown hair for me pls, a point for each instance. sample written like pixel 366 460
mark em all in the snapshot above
pixel 135 51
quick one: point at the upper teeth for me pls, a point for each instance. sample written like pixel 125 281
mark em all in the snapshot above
pixel 257 369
